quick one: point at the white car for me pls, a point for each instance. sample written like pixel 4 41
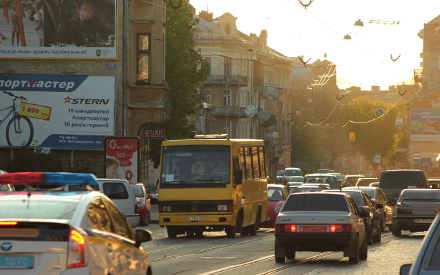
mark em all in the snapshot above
pixel 57 232
pixel 119 191
pixel 316 221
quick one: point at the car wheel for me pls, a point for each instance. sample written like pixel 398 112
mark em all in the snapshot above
pixel 369 236
pixel 355 258
pixel 280 260
pixel 172 232
pixel 397 232
pixel 253 229
pixel 363 255
pixel 231 231
pixel 382 223
pixel 378 237
pixel 146 221
pixel 390 227
pixel 199 232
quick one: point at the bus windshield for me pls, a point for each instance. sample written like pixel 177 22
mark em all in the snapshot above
pixel 195 165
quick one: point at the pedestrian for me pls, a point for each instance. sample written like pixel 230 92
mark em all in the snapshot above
pixel 14 27
pixel 39 19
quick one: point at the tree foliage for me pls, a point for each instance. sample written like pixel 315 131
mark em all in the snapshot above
pixel 373 135
pixel 183 72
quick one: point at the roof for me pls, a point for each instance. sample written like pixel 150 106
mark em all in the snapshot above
pixel 275 185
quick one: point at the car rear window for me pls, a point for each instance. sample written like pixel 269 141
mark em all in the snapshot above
pixel 420 195
pixel 275 194
pixel 401 179
pixel 115 190
pixel 293 173
pixel 37 209
pixel 137 190
pixel 316 202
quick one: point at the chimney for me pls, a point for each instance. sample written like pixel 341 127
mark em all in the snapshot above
pixel 262 40
pixel 375 88
pixel 206 16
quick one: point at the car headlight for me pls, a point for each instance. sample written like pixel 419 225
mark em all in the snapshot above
pixel 277 209
pixel 166 208
pixel 224 207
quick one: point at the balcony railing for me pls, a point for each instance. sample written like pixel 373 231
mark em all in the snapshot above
pixel 224 78
pixel 228 111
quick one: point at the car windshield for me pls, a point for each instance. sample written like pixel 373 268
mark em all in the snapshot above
pixel 137 190
pixel 293 173
pixel 296 179
pixel 280 173
pixel 36 209
pixel 185 166
pixel 401 179
pixel 316 202
pixel 429 194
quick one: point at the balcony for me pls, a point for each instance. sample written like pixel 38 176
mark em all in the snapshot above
pixel 272 120
pixel 233 111
pixel 226 79
pixel 270 91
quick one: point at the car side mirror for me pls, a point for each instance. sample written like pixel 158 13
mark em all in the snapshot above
pixel 142 236
pixel 379 205
pixel 238 176
pixel 404 269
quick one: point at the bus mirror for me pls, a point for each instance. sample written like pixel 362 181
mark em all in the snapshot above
pixel 238 175
pixel 156 160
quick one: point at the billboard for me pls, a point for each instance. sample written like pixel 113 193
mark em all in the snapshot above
pixel 424 125
pixel 56 111
pixel 122 158
pixel 59 29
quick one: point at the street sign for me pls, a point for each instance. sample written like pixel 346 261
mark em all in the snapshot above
pixel 154 133
pixel 399 121
pixel 377 158
pixel 425 162
pixel 352 136
pixel 378 112
pixel 416 156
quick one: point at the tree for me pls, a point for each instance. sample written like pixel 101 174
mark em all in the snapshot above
pixel 183 72
pixel 373 135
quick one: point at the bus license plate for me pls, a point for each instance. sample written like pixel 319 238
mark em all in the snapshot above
pixel 195 219
pixel 423 220
pixel 313 228
pixel 26 262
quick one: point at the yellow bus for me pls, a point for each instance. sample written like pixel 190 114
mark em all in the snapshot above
pixel 212 183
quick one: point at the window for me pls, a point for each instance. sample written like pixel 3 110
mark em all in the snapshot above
pixel 143 57
pixel 228 128
pixel 206 61
pixel 255 163
pixel 316 202
pixel 262 162
pixel 119 222
pixel 227 98
pixel 248 160
pixel 227 61
pixel 208 96
pixel 99 216
pixel 115 190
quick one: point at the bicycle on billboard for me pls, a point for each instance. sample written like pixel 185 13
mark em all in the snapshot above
pixel 19 130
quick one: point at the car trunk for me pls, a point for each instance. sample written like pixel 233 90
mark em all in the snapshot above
pixel 34 247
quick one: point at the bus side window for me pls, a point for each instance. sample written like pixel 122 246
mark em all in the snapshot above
pixel 255 163
pixel 248 159
pixel 262 161
pixel 242 162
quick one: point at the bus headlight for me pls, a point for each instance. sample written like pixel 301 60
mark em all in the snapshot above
pixel 166 208
pixel 222 207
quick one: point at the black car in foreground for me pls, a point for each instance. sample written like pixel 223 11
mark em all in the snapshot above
pixel 415 210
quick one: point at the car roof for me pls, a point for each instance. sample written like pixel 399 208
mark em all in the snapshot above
pixel 275 185
pixel 354 176
pixel 320 174
pixel 360 187
pixel 51 195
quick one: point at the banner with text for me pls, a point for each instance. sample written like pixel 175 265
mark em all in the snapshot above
pixel 425 125
pixel 122 158
pixel 68 29
pixel 56 111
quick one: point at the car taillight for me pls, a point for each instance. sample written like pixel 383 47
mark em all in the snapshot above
pixel 281 228
pixel 8 223
pixel 77 255
pixel 334 228
pixel 374 204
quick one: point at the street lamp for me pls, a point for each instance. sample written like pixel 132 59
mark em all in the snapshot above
pixel 251 111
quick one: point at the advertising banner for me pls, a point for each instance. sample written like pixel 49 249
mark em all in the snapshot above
pixel 122 158
pixel 425 125
pixel 56 111
pixel 58 29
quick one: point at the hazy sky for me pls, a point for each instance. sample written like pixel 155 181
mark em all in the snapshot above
pixel 319 29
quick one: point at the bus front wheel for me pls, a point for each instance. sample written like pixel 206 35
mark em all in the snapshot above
pixel 172 232
pixel 231 231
